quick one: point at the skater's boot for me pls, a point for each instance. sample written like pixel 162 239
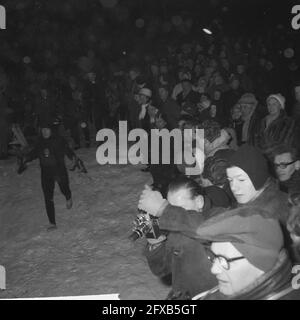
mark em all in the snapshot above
pixel 69 203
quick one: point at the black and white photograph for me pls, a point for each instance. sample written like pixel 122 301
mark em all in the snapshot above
pixel 149 150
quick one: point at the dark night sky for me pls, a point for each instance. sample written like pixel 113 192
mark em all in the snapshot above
pixel 253 17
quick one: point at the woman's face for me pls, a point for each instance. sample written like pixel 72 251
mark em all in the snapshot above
pixel 241 272
pixel 241 185
pixel 182 198
pixel 273 106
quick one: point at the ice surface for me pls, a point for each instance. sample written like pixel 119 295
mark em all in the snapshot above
pixel 89 253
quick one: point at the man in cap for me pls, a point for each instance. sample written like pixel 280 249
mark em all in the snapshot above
pixel 147 111
pixel 51 150
pixel 93 96
pixel 248 259
pixel 250 117
pixel 188 98
pixel 146 116
pixel 169 106
pixel 136 83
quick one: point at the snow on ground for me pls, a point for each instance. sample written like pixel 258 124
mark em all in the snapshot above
pixel 89 253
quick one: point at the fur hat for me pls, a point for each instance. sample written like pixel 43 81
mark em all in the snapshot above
pixel 279 97
pixel 146 92
pixel 248 98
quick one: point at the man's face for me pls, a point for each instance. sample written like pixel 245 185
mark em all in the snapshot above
pixel 133 75
pixel 46 133
pixel 143 99
pixel 283 170
pixel 235 84
pixel 217 95
pixel 163 94
pixel 246 109
pixel 182 198
pixel 241 272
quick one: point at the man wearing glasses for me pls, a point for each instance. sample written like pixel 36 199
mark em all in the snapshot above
pixel 248 259
pixel 287 164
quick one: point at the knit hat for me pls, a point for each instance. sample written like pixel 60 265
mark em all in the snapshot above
pixel 146 92
pixel 259 239
pixel 248 98
pixel 252 161
pixel 279 97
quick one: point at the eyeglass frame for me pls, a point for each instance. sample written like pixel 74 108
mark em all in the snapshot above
pixel 217 256
pixel 283 165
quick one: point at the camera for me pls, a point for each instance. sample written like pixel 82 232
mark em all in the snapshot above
pixel 145 225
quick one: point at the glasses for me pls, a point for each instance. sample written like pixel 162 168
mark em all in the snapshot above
pixel 223 261
pixel 283 165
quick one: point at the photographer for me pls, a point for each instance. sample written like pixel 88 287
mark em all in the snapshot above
pixel 181 256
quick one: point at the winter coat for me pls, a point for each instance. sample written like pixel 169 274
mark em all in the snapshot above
pixel 254 128
pixel 275 284
pixel 185 259
pixel 189 102
pixel 292 185
pixel 172 111
pixel 280 131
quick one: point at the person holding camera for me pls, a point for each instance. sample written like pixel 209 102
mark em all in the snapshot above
pixel 175 254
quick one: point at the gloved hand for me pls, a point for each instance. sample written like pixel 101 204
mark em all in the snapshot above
pixel 152 202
